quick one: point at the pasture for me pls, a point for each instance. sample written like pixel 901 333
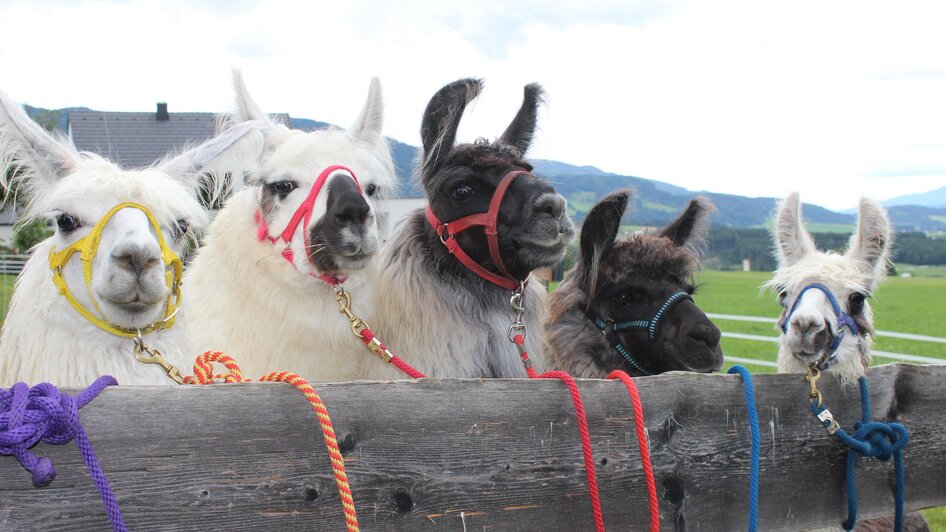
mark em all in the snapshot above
pixel 905 305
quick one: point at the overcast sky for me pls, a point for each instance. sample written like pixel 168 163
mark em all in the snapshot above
pixel 832 99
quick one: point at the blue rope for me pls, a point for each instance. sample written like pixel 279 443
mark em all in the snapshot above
pixel 753 413
pixel 872 439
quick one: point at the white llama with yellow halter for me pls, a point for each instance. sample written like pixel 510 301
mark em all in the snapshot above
pixel 110 271
pixel 259 290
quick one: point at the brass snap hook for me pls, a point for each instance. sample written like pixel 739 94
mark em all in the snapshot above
pixel 814 393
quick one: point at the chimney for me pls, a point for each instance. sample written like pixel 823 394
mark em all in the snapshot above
pixel 162 113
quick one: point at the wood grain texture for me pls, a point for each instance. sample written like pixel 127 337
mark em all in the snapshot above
pixel 504 454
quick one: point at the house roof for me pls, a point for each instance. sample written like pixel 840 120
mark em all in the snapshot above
pixel 139 139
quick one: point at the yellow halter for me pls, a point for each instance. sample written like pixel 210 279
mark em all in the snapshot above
pixel 88 246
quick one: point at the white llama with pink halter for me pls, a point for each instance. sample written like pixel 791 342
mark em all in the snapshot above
pixel 262 289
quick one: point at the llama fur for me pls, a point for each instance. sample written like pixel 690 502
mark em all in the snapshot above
pixel 431 310
pixel 244 298
pixel 44 339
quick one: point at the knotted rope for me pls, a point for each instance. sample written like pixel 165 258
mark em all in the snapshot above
pixel 43 413
pixel 203 374
pixel 752 412
pixel 872 439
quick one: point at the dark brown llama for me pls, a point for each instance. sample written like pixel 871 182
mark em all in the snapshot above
pixel 433 309
pixel 627 302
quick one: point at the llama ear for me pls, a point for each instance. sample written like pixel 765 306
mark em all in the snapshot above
pixel 211 165
pixel 792 241
pixel 31 160
pixel 246 108
pixel 601 228
pixel 520 130
pixel 438 130
pixel 367 126
pixel 872 239
pixel 692 226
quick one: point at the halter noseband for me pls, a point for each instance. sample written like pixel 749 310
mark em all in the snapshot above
pixel 489 220
pixel 610 329
pixel 87 247
pixel 303 213
pixel 843 320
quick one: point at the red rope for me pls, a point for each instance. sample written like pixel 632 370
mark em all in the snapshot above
pixel 642 444
pixel 367 336
pixel 406 368
pixel 590 473
pixel 585 443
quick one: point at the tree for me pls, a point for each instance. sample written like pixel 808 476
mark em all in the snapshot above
pixel 29 234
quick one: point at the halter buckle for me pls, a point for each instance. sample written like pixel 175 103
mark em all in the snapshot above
pixel 150 355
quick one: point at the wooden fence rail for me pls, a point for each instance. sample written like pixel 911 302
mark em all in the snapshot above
pixel 480 455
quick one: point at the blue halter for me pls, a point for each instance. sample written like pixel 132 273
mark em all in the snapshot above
pixel 843 320
pixel 610 329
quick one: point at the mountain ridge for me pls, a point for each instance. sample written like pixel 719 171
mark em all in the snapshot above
pixel 655 202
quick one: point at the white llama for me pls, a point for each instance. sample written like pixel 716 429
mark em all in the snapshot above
pixel 834 335
pixel 826 317
pixel 267 308
pixel 45 338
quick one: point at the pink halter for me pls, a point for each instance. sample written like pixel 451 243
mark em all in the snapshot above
pixel 304 212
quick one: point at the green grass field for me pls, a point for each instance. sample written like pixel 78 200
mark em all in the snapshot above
pixel 908 305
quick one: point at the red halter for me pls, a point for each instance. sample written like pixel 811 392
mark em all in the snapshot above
pixel 304 212
pixel 489 219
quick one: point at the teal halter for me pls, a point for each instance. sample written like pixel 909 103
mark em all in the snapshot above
pixel 610 329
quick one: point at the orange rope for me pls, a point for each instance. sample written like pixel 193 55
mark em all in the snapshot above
pixel 203 374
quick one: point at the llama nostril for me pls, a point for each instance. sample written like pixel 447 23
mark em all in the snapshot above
pixel 551 204
pixel 803 324
pixel 135 259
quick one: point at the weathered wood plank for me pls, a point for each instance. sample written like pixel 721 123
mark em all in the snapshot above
pixel 503 453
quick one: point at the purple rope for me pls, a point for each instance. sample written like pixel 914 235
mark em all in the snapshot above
pixel 28 415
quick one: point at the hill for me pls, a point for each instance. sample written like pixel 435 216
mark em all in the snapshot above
pixel 933 198
pixel 655 202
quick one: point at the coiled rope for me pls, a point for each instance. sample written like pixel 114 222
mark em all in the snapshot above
pixel 43 413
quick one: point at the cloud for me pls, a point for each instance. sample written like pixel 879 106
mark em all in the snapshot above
pixel 731 96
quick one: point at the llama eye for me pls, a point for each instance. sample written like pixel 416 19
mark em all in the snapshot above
pixel 282 188
pixel 856 303
pixel 180 228
pixel 621 298
pixel 462 192
pixel 67 222
pixel 371 189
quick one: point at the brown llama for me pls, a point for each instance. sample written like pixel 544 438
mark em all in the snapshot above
pixel 627 302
